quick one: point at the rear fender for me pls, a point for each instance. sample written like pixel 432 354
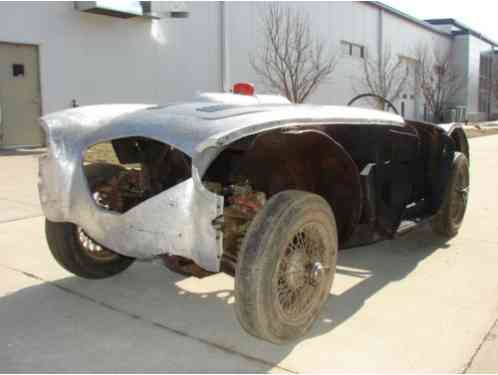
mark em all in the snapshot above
pixel 307 160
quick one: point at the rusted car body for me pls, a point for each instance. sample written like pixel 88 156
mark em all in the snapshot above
pixel 205 168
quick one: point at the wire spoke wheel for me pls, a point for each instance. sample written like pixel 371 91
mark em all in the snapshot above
pixel 459 197
pixel 286 266
pixel 92 248
pixel 73 248
pixel 449 218
pixel 86 243
pixel 300 273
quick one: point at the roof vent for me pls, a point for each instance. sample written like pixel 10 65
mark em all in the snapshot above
pixel 173 9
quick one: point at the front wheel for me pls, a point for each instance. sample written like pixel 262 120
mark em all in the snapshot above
pixel 80 255
pixel 73 249
pixel 286 266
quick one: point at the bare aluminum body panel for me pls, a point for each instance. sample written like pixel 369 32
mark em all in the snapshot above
pixel 179 220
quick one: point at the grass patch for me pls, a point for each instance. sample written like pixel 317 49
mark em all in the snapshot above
pixel 103 152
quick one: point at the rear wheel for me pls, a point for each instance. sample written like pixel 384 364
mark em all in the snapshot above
pixel 449 219
pixel 286 266
pixel 73 249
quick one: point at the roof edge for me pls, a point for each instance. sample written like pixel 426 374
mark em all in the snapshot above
pixel 464 29
pixel 408 17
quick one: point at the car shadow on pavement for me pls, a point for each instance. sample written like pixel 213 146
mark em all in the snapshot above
pixel 375 267
pixel 40 322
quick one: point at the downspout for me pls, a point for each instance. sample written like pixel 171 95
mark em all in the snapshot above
pixel 494 82
pixel 380 46
pixel 1 125
pixel 225 82
pixel 490 80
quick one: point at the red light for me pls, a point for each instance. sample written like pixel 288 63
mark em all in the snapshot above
pixel 243 88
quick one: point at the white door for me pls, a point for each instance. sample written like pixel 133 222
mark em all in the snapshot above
pixel 19 96
pixel 407 102
pixel 407 108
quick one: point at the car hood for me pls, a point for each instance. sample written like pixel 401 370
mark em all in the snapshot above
pixel 193 127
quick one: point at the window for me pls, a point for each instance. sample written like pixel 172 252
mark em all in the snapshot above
pixel 352 49
pixel 409 62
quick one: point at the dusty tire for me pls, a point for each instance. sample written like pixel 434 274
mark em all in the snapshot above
pixel 67 249
pixel 448 220
pixel 291 245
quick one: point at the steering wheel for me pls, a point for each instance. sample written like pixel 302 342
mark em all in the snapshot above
pixel 361 96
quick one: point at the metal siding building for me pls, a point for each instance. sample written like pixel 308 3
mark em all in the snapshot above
pixel 82 58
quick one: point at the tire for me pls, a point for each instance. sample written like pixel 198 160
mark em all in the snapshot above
pixel 450 216
pixel 66 247
pixel 271 250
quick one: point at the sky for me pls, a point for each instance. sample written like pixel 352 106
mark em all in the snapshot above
pixel 480 15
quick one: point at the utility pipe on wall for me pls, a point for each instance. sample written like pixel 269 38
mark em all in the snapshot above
pixel 225 73
pixel 491 80
pixel 380 40
pixel 1 125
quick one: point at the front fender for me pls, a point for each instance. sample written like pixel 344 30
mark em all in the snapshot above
pixel 177 221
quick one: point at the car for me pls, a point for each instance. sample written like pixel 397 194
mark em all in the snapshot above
pixel 250 185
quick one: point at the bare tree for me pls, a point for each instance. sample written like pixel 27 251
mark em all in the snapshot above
pixel 437 79
pixel 292 61
pixel 386 76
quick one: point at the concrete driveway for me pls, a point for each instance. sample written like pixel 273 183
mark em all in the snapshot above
pixel 414 304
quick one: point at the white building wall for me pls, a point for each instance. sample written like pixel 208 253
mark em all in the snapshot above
pixel 461 61
pixel 468 50
pixel 331 21
pixel 476 47
pixel 355 22
pixel 100 59
pixel 404 38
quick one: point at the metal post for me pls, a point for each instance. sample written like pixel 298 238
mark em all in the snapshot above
pixel 380 45
pixel 491 82
pixel 224 47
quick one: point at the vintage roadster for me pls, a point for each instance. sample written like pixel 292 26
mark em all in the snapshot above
pixel 250 185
